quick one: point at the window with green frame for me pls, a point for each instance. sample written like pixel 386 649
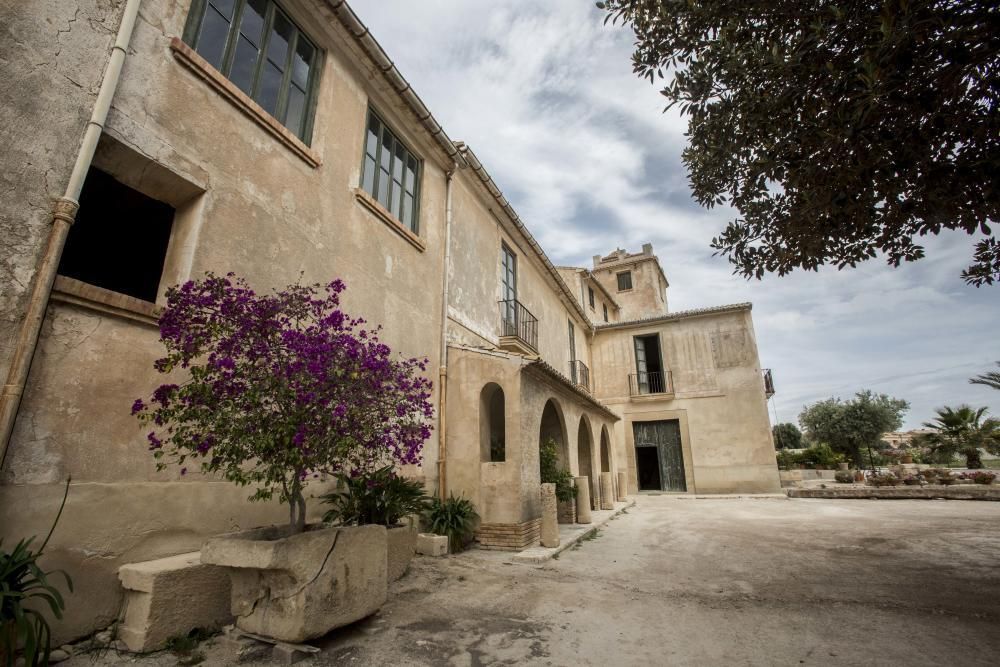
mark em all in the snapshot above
pixel 391 173
pixel 257 47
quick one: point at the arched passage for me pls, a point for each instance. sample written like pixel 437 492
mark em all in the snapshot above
pixel 492 424
pixel 584 448
pixel 605 450
pixel 553 427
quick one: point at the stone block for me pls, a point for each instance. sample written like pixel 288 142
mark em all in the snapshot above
pixel 583 500
pixel 429 544
pixel 622 486
pixel 295 587
pixel 550 519
pixel 402 544
pixel 171 596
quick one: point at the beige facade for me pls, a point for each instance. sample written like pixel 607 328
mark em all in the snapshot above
pixel 249 196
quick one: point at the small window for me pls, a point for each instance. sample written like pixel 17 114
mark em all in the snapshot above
pixel 605 306
pixel 257 47
pixel 391 173
pixel 119 240
pixel 590 296
pixel 624 281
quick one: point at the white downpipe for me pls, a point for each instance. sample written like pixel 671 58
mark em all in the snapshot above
pixel 63 215
pixel 443 374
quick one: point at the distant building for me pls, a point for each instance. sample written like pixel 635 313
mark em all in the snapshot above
pixel 898 439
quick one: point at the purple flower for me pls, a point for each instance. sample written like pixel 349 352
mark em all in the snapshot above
pixel 138 406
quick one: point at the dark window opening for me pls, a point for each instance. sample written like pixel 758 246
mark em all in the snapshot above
pixel 590 296
pixel 605 306
pixel 624 281
pixel 119 240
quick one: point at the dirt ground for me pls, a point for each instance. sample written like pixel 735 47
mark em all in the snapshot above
pixel 685 581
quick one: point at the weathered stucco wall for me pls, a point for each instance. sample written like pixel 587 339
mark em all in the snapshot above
pixel 719 399
pixel 53 54
pixel 475 279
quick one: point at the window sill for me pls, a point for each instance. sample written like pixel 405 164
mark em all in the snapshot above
pixel 79 293
pixel 380 212
pixel 214 78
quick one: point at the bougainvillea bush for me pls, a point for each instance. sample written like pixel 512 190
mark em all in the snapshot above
pixel 271 390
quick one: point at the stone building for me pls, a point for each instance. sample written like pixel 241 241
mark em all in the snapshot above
pixel 149 141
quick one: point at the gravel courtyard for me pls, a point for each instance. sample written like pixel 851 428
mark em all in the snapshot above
pixel 706 582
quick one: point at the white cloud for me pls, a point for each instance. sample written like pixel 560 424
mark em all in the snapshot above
pixel 545 95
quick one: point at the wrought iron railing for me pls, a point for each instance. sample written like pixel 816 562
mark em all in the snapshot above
pixel 768 383
pixel 579 374
pixel 651 383
pixel 517 321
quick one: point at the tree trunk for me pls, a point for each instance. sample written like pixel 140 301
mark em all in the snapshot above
pixel 973 460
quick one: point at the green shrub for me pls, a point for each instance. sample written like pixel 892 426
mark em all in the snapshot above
pixel 23 581
pixel 455 517
pixel 786 459
pixel 844 476
pixel 551 473
pixel 381 498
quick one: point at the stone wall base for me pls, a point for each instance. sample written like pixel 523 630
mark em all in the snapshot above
pixel 509 536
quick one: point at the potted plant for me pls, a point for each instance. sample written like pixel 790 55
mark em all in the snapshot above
pixel 879 479
pixel 843 476
pixel 454 517
pixel 550 472
pixel 911 480
pixel 273 391
pixel 982 477
pixel 381 498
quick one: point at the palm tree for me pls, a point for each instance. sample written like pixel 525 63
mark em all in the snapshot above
pixel 989 379
pixel 963 430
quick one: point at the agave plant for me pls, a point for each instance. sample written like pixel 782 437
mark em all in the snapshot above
pixel 455 517
pixel 21 581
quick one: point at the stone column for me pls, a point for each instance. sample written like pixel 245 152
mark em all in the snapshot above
pixel 607 493
pixel 550 523
pixel 582 499
pixel 622 486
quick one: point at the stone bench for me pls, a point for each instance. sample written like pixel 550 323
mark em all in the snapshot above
pixel 170 597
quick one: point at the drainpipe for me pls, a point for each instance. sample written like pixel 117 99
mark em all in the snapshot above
pixel 63 215
pixel 443 373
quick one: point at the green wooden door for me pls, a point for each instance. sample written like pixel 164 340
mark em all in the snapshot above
pixel 666 437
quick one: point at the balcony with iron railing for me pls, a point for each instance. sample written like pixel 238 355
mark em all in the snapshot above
pixel 579 374
pixel 641 384
pixel 518 328
pixel 768 382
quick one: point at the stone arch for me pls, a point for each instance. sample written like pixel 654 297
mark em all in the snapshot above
pixel 553 425
pixel 584 448
pixel 492 424
pixel 605 450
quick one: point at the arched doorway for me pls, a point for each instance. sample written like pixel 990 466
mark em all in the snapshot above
pixel 606 461
pixel 584 456
pixel 605 450
pixel 553 427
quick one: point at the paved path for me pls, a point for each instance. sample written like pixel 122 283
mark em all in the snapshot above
pixel 711 582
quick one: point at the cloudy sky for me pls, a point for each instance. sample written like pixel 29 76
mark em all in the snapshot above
pixel 545 95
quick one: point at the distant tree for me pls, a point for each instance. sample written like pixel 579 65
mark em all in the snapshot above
pixel 851 426
pixel 837 130
pixel 990 379
pixel 964 431
pixel 787 436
